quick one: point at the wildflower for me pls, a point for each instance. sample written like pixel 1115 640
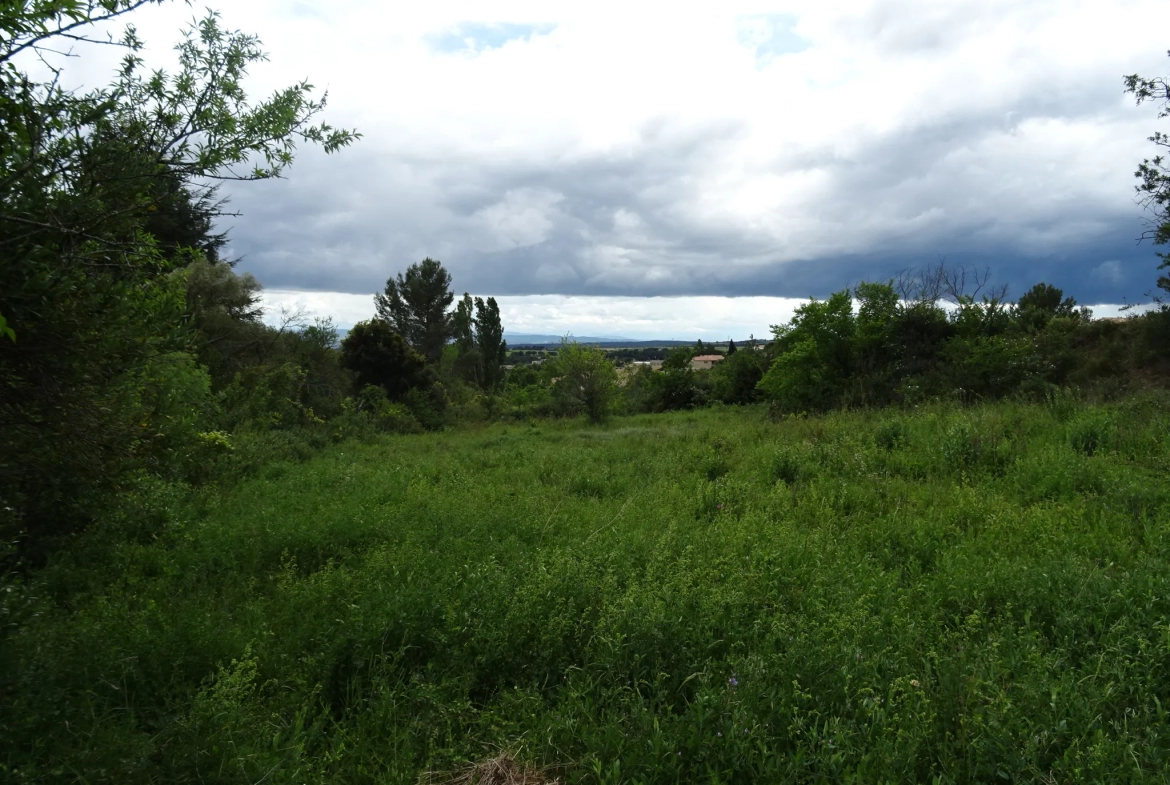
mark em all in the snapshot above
pixel 734 682
pixel 914 683
pixel 719 507
pixel 719 733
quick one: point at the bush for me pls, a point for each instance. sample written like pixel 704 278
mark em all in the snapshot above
pixel 375 354
pixel 891 434
pixel 734 380
pixel 1091 432
pixel 588 382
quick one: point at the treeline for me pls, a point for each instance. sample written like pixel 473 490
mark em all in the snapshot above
pixel 924 336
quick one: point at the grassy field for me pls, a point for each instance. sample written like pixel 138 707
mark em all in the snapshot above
pixel 943 595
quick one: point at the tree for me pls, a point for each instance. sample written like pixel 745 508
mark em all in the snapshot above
pixel 468 358
pixel 489 338
pixel 83 284
pixel 734 380
pixel 813 353
pixel 378 355
pixel 1041 304
pixel 731 347
pixel 874 355
pixel 183 218
pixel 463 324
pixel 1153 173
pixel 225 311
pixel 416 305
pixel 588 381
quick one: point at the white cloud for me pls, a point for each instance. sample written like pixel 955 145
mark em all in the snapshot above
pixel 681 318
pixel 651 147
pixel 522 218
pixel 645 318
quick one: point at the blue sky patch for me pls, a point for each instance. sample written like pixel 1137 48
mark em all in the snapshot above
pixel 476 37
pixel 771 35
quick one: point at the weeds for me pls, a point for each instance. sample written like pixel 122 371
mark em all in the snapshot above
pixel 951 594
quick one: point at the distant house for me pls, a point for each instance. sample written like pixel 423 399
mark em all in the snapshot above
pixel 705 361
pixel 654 365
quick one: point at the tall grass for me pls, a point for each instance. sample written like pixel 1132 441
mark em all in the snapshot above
pixel 946 595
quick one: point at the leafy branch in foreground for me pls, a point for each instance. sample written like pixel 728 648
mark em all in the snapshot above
pixel 1153 173
pixel 199 119
pixel 84 258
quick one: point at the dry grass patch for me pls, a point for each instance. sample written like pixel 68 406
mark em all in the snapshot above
pixel 500 770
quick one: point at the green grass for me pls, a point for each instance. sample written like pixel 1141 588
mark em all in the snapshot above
pixel 949 595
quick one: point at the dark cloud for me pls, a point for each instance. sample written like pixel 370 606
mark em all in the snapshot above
pixel 1033 184
pixel 337 226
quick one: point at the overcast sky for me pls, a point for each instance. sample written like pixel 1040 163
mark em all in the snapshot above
pixel 651 150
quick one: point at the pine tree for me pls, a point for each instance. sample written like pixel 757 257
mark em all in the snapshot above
pixel 416 305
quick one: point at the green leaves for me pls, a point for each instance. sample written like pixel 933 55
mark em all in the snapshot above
pixel 104 196
pixel 200 119
pixel 1153 174
pixel 588 382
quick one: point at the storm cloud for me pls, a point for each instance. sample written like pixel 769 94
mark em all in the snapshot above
pixel 779 149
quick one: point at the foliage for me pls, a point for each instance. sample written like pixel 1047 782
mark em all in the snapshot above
pixel 588 381
pixel 675 387
pixel 1154 188
pixel 527 392
pixel 489 340
pixel 84 284
pixel 466 358
pixel 382 414
pixel 812 355
pixel 734 380
pixel 264 397
pixel 225 311
pixel 416 304
pixel 902 346
pixel 947 594
pixel 377 355
pixel 1041 304
pixel 875 347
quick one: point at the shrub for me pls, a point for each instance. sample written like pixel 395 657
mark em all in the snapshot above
pixel 588 383
pixel 376 354
pixel 1091 432
pixel 891 434
pixel 786 466
pixel 734 380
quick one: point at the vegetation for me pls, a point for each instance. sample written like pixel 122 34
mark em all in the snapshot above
pixel 944 594
pixel 96 375
pixel 586 382
pixel 1154 188
pixel 416 305
pixel 936 551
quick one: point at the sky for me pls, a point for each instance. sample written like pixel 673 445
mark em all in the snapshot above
pixel 659 170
